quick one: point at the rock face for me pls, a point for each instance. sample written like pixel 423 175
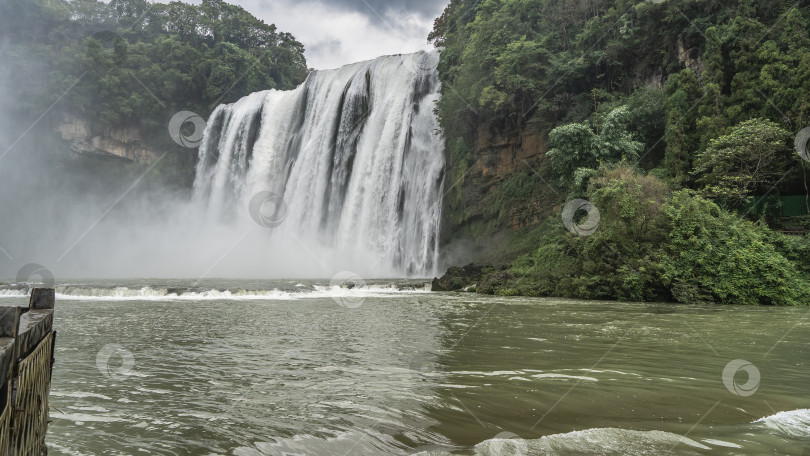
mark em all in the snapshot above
pixel 471 230
pixel 124 142
pixel 485 279
pixel 503 153
pixel 690 58
pixel 457 278
pixel 490 283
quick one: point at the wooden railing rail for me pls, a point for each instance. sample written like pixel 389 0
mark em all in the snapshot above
pixel 27 342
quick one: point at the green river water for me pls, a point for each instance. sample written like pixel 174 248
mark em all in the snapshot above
pixel 253 368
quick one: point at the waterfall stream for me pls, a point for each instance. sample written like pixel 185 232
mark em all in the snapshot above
pixel 354 153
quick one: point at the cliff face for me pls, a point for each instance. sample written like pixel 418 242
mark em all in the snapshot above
pixel 489 207
pixel 121 142
pixel 500 154
pixel 499 157
pixel 471 230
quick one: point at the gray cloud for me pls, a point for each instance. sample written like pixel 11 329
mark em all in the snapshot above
pixel 424 8
pixel 339 32
pixel 326 47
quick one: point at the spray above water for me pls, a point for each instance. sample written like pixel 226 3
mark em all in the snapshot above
pixel 352 157
pixel 343 173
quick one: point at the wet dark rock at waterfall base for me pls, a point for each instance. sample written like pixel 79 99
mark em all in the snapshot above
pixel 484 278
pixel 413 285
pixel 493 282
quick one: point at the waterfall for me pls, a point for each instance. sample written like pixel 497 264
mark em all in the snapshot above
pixel 355 153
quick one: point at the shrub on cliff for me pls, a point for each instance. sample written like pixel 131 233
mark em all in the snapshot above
pixel 495 282
pixel 714 255
pixel 629 231
pixel 578 150
pixel 619 259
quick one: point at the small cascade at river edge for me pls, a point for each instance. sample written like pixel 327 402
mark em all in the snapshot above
pixel 352 159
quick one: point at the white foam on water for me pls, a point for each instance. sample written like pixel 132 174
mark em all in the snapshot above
pixel 792 423
pixel 153 391
pixel 79 395
pixel 721 443
pixel 355 443
pixel 601 441
pixel 65 450
pixel 86 293
pixel 488 374
pixel 565 377
pixel 598 371
pixel 85 417
pixel 88 409
pixel 13 294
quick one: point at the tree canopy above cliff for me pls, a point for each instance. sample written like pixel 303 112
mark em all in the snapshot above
pixel 131 62
pixel 515 61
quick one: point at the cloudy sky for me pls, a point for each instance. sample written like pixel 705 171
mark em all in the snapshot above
pixel 338 32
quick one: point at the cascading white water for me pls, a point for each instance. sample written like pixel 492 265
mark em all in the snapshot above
pixel 355 153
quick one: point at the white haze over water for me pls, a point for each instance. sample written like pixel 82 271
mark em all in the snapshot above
pixel 68 222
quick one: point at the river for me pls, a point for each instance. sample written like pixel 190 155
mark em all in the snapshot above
pixel 249 368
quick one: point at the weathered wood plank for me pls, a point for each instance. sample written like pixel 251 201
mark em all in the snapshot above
pixel 34 326
pixel 9 326
pixel 42 298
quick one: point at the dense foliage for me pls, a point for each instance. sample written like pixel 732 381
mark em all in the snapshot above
pixel 653 244
pixel 668 116
pixel 716 256
pixel 578 151
pixel 136 63
pixel 749 160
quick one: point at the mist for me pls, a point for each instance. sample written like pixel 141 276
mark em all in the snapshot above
pixel 135 146
pixel 101 231
pixel 77 224
pixel 83 216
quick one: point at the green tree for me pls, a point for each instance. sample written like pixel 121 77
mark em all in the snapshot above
pixel 681 139
pixel 618 260
pixel 749 160
pixel 629 203
pixel 577 151
pixel 131 60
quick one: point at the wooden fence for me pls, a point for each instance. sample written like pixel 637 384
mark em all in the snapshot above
pixel 26 362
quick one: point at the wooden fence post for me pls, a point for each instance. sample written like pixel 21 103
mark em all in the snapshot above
pixel 30 374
